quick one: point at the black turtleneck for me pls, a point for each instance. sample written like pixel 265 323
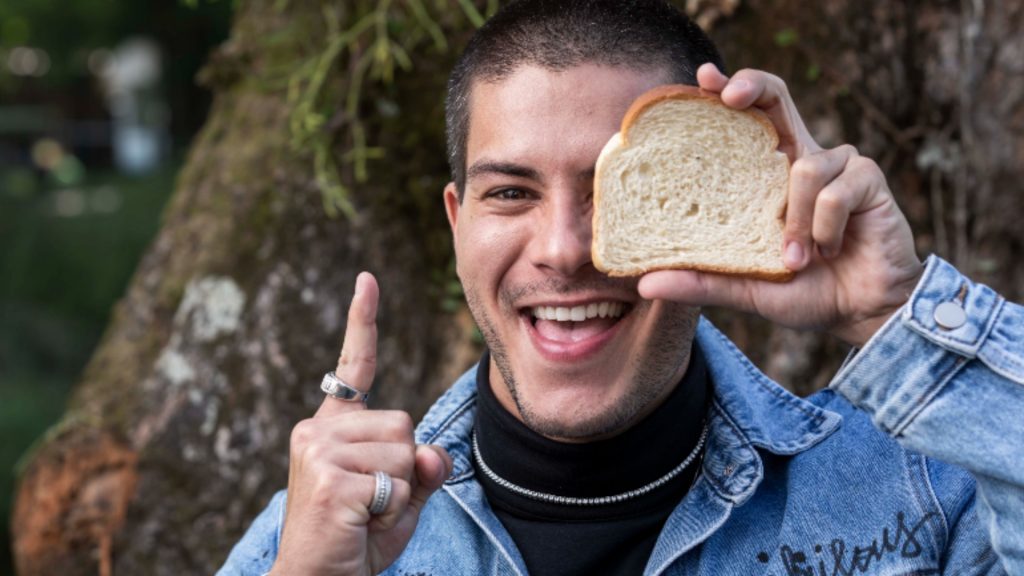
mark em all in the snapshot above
pixel 616 538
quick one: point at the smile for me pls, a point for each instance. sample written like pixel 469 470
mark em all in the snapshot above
pixel 577 332
pixel 579 313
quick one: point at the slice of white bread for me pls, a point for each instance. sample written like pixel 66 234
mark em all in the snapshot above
pixel 690 183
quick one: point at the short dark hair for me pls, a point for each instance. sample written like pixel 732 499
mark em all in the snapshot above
pixel 560 34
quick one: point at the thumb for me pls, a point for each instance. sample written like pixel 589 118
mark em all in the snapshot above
pixel 686 286
pixel 698 289
pixel 433 467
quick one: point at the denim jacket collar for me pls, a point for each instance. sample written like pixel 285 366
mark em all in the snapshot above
pixel 764 413
pixel 751 411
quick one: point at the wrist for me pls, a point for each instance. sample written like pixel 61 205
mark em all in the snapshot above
pixel 862 327
pixel 857 334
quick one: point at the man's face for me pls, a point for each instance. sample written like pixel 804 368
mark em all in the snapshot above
pixel 575 354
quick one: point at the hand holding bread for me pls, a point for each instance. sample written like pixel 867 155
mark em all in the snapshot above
pixel 848 243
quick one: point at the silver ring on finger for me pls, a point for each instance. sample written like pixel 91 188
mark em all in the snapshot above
pixel 381 493
pixel 338 388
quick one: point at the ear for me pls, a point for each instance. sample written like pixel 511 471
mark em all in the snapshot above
pixel 451 206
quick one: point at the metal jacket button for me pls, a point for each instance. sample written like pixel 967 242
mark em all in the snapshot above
pixel 950 315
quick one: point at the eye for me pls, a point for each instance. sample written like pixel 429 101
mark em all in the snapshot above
pixel 508 194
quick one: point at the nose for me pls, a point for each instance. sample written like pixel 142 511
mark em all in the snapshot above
pixel 562 240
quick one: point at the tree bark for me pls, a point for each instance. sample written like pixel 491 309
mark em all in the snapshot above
pixel 177 434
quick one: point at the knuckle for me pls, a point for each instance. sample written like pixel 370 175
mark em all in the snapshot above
pixel 390 425
pixel 397 425
pixel 797 224
pixel 366 359
pixel 326 482
pixel 360 314
pixel 743 72
pixel 801 172
pixel 806 169
pixel 302 434
pixel 831 199
pixel 315 451
pixel 355 311
pixel 849 150
pixel 797 228
pixel 398 419
pixel 405 419
pixel 864 164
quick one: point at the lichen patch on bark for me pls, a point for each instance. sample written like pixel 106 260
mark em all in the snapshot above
pixel 211 307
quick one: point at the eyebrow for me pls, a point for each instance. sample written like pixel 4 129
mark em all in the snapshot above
pixel 485 167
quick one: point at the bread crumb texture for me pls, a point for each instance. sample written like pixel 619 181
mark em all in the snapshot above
pixel 693 184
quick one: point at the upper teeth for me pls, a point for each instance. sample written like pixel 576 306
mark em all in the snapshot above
pixel 579 313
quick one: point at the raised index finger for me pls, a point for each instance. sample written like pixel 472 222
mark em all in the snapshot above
pixel 358 360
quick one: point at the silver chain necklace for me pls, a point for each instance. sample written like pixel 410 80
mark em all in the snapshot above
pixel 598 501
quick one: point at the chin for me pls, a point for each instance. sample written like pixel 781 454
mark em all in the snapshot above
pixel 575 415
pixel 582 429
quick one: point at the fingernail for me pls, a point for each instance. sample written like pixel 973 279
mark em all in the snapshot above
pixel 359 284
pixel 794 253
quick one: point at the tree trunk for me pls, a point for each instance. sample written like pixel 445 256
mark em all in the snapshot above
pixel 177 434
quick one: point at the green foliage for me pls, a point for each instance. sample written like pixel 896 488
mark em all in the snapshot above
pixel 813 72
pixel 451 294
pixel 194 4
pixel 786 37
pixel 68 253
pixel 69 31
pixel 378 42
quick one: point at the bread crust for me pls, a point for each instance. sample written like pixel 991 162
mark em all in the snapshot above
pixel 766 275
pixel 684 92
pixel 621 139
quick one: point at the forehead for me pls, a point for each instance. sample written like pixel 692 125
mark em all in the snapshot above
pixel 536 114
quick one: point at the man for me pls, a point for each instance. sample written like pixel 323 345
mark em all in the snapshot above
pixel 609 430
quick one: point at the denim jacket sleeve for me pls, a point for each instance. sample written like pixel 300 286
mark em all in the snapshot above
pixel 945 377
pixel 256 552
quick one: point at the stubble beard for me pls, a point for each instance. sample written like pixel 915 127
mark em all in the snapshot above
pixel 656 369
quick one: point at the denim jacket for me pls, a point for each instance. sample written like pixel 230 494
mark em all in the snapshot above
pixel 911 462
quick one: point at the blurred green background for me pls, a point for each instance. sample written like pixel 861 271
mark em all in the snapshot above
pixel 98 103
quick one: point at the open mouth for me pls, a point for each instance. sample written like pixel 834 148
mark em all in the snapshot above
pixel 573 324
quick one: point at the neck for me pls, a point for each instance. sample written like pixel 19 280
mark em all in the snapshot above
pixel 650 447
